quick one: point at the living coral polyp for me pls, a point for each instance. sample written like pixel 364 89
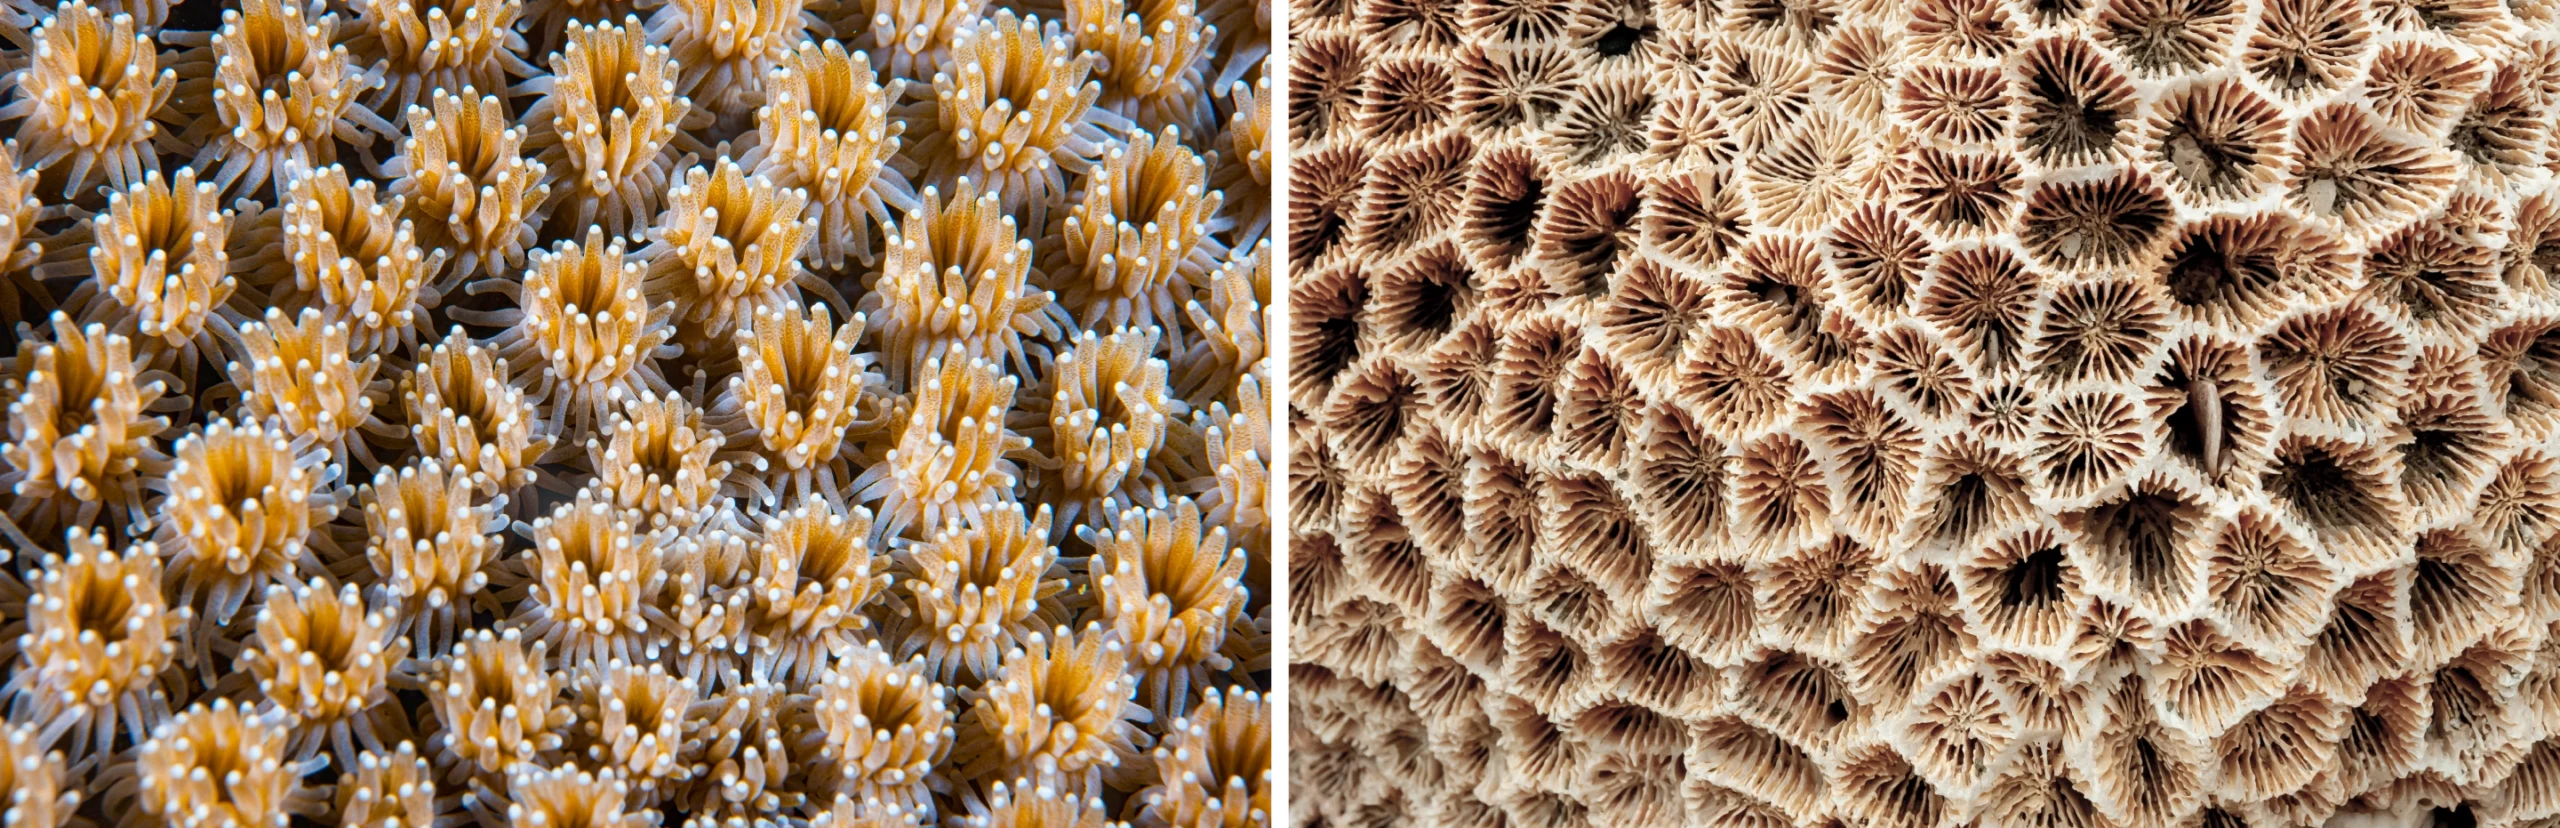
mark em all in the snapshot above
pixel 598 413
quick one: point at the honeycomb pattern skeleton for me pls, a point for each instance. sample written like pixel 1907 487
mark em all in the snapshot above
pixel 1930 413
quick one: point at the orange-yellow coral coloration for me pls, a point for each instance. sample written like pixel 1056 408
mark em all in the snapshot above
pixel 848 812
pixel 958 274
pixel 609 110
pixel 759 753
pixel 299 376
pixel 430 539
pixel 802 384
pixel 1250 150
pixel 814 571
pixel 271 92
pixel 97 638
pixel 725 47
pixel 631 722
pixel 32 782
pixel 1064 700
pixel 428 45
pixel 88 94
pixel 20 250
pixel 1173 590
pixel 467 182
pixel 243 500
pixel 221 765
pixel 980 587
pixel 1014 110
pixel 465 408
pixel 499 705
pixel 640 436
pixel 357 260
pixel 908 38
pixel 571 797
pixel 325 661
pixel 394 789
pixel 888 725
pixel 160 256
pixel 656 457
pixel 550 21
pixel 1215 765
pixel 1138 240
pixel 727 245
pixel 704 631
pixel 80 425
pixel 587 581
pixel 1044 798
pixel 1152 57
pixel 955 454
pixel 825 128
pixel 588 327
pixel 1104 412
pixel 1239 494
pixel 1233 321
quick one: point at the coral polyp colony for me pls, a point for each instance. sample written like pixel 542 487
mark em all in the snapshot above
pixel 1930 413
pixel 593 413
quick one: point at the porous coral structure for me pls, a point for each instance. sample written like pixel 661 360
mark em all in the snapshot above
pixel 1924 413
pixel 592 413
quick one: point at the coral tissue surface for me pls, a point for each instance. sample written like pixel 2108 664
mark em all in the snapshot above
pixel 599 414
pixel 1928 413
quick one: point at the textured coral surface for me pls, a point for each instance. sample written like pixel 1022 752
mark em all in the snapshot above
pixel 1925 413
pixel 588 413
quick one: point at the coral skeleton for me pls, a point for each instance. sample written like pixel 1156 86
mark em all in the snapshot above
pixel 1911 413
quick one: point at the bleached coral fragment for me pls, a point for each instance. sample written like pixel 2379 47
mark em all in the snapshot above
pixel 2121 412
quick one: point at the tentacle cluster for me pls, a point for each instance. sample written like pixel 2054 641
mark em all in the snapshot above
pixel 706 413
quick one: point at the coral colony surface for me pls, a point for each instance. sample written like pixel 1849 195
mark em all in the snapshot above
pixel 1925 412
pixel 583 413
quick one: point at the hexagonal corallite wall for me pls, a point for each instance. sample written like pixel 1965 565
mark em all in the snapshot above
pixel 1928 413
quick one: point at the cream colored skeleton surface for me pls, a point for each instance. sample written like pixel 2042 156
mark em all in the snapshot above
pixel 579 413
pixel 1931 413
